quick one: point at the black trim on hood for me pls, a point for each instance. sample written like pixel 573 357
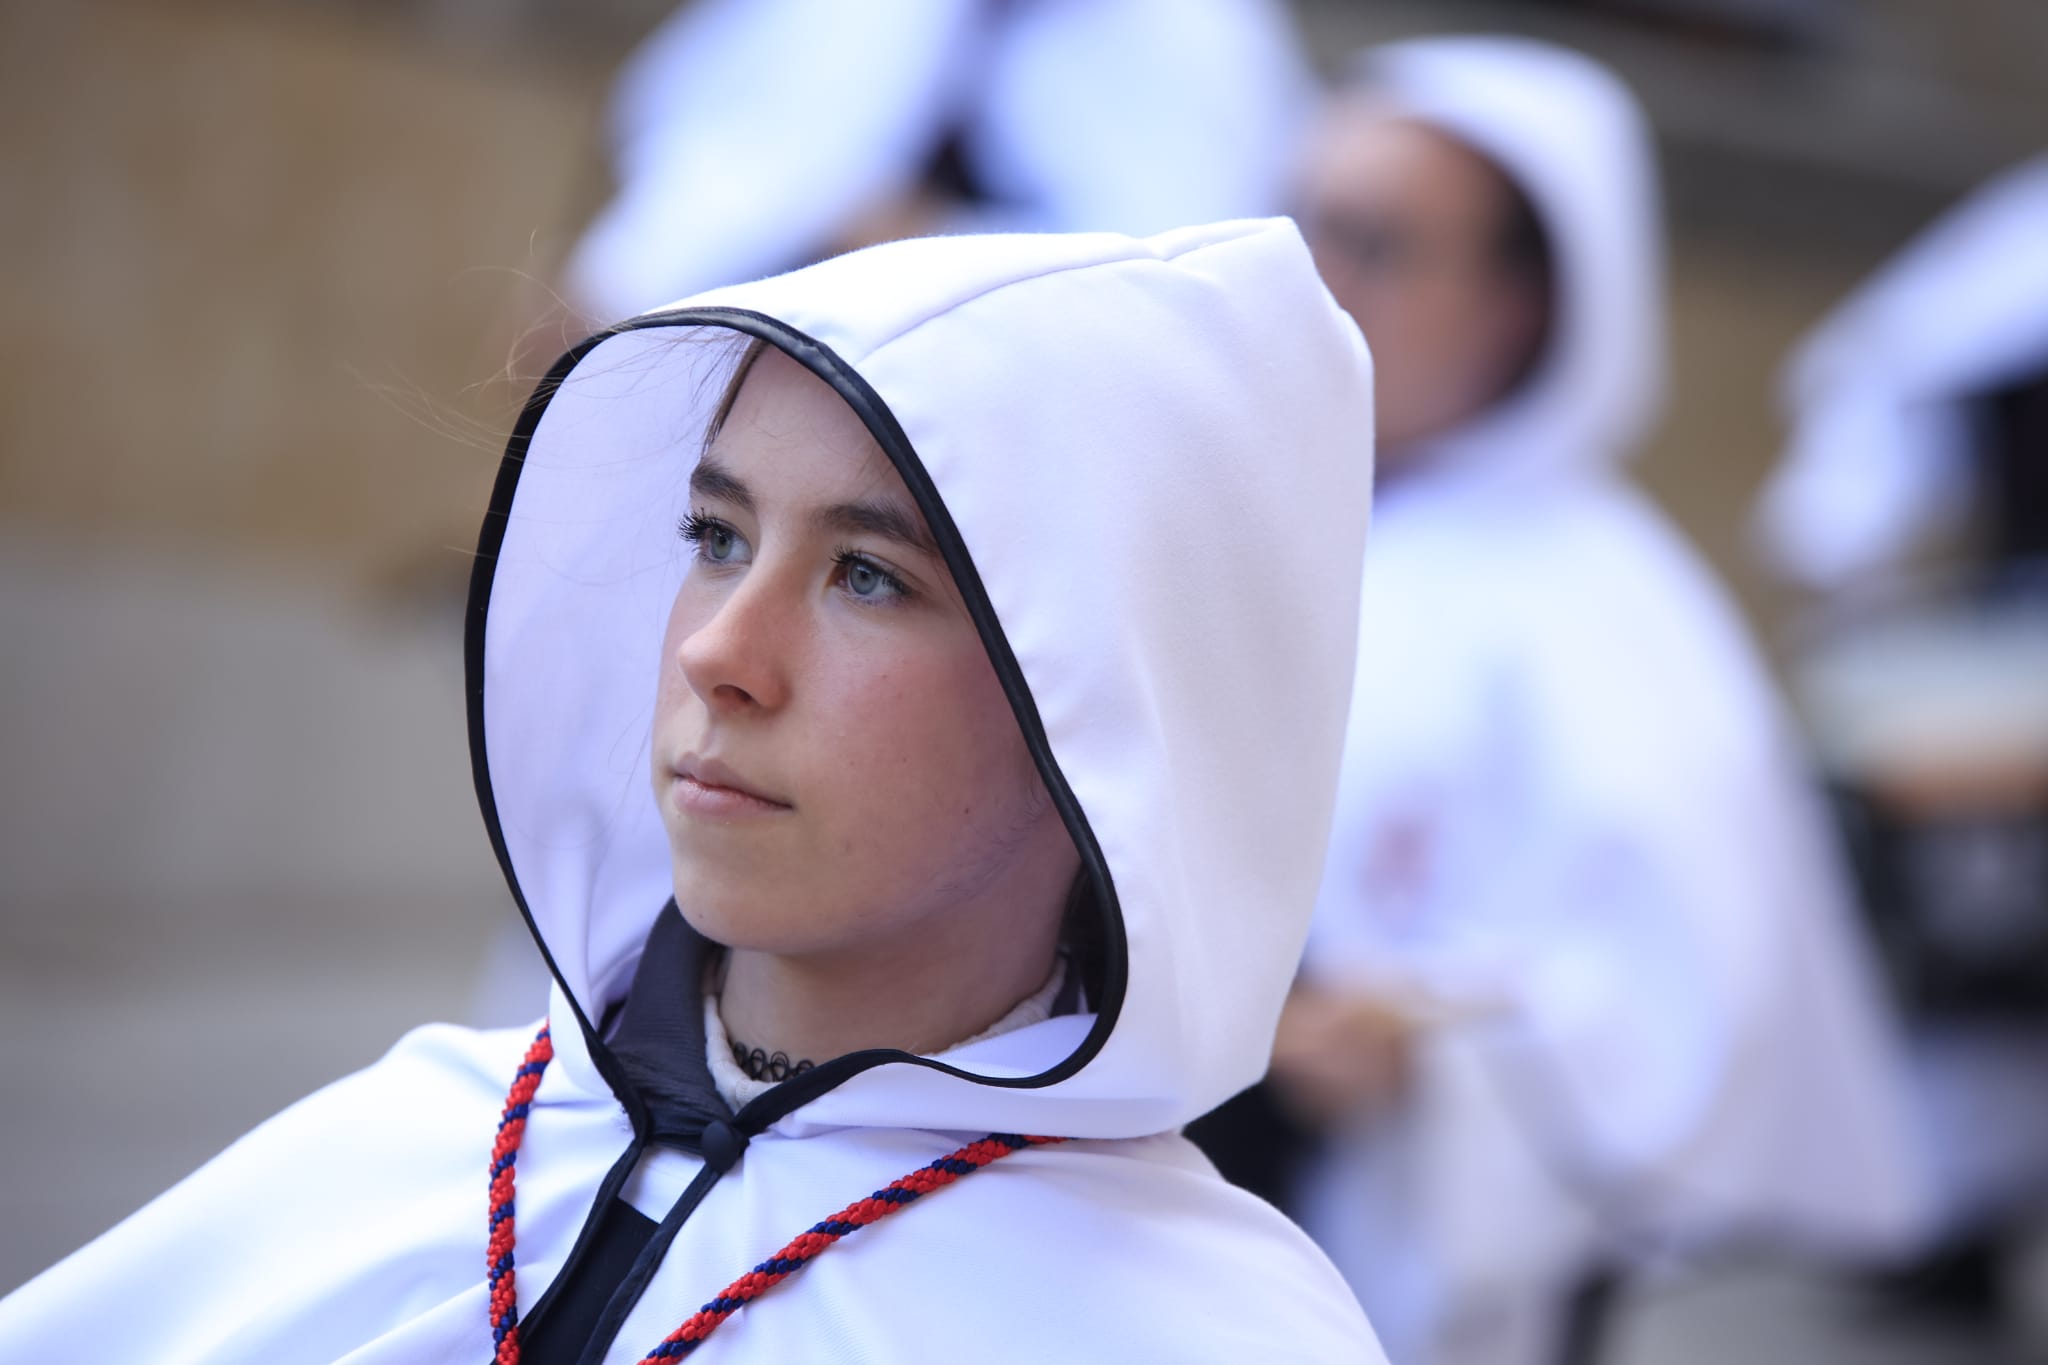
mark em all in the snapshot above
pixel 874 413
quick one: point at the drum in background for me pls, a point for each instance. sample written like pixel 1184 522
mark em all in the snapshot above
pixel 1927 706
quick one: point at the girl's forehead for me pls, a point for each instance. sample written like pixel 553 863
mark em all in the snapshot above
pixel 787 426
pixel 790 445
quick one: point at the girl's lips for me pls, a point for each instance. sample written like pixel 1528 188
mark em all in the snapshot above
pixel 693 796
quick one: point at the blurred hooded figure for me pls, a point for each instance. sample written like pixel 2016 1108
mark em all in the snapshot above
pixel 1925 391
pixel 1582 981
pixel 751 136
pixel 1912 498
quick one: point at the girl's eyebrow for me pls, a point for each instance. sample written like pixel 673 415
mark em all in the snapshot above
pixel 710 479
pixel 883 519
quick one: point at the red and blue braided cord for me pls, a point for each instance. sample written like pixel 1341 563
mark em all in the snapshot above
pixel 504 1156
pixel 806 1247
pixel 798 1253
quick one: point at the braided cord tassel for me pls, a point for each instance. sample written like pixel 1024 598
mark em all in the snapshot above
pixel 504 1155
pixel 855 1216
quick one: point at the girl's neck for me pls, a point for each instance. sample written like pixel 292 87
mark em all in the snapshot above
pixel 820 1008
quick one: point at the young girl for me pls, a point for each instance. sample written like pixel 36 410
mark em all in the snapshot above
pixel 981 611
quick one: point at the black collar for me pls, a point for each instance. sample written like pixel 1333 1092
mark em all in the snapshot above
pixel 657 1035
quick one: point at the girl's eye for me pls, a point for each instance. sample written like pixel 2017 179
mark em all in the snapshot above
pixel 716 542
pixel 868 581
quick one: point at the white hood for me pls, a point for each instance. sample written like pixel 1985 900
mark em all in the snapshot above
pixel 748 134
pixel 1083 420
pixel 1571 137
pixel 1878 455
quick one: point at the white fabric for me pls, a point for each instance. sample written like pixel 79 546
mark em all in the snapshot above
pixel 749 134
pixel 746 133
pixel 1878 455
pixel 1092 410
pixel 1139 115
pixel 1570 820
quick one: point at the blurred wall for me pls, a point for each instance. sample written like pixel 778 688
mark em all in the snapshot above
pixel 262 255
pixel 265 262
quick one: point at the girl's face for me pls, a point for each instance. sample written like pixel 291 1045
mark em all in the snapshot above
pixel 834 759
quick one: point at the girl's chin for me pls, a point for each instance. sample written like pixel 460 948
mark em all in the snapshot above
pixel 741 922
pixel 752 925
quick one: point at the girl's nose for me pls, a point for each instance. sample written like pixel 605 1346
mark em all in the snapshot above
pixel 736 659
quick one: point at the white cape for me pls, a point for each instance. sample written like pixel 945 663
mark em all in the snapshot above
pixel 1076 417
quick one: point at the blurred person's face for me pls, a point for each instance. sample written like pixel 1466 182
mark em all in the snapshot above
pixel 834 758
pixel 1409 229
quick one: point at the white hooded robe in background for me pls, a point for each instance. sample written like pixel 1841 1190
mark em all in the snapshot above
pixel 748 134
pixel 1076 417
pixel 1879 456
pixel 1570 819
pixel 1879 462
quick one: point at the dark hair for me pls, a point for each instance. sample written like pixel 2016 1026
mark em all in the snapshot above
pixel 731 395
pixel 1524 243
pixel 1523 251
pixel 2012 432
pixel 1084 937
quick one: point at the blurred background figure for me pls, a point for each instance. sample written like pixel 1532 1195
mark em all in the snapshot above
pixel 1920 406
pixel 752 136
pixel 1585 985
pixel 1912 502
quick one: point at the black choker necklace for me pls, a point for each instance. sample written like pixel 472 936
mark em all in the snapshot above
pixel 768 1066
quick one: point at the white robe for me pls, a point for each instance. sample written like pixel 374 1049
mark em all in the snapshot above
pixel 1075 416
pixel 1570 817
pixel 748 134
